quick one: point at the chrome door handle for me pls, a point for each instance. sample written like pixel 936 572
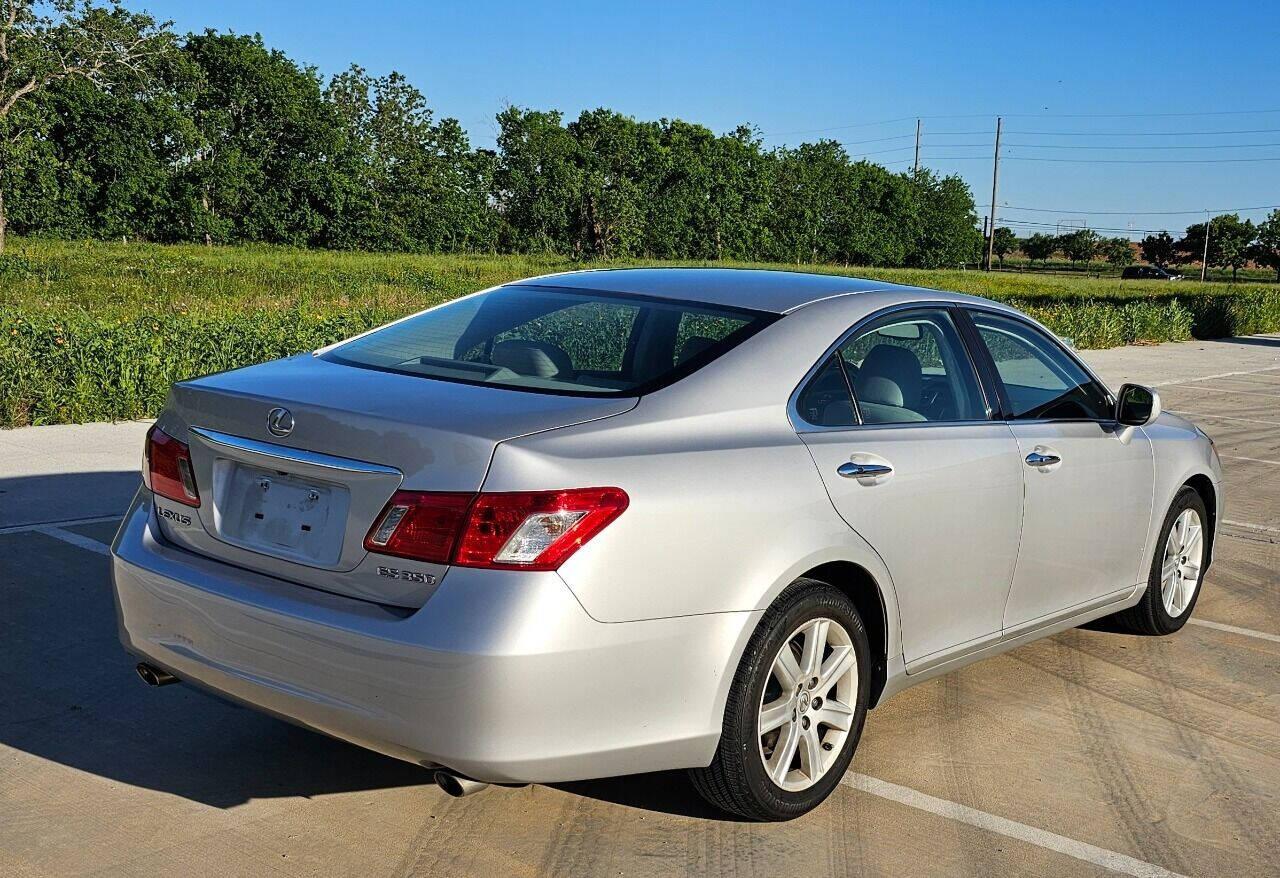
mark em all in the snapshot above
pixel 1035 458
pixel 863 470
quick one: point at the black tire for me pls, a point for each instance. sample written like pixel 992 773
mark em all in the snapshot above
pixel 736 780
pixel 1149 616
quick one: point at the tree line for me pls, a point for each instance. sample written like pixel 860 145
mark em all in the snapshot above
pixel 1233 243
pixel 112 126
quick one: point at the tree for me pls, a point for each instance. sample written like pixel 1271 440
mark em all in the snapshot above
pixel 1004 243
pixel 945 220
pixel 1159 249
pixel 262 166
pixel 1117 251
pixel 1039 246
pixel 1080 245
pixel 1235 240
pixel 404 181
pixel 42 44
pixel 1267 249
pixel 1230 241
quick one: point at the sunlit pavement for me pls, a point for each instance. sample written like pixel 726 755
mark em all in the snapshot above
pixel 1090 752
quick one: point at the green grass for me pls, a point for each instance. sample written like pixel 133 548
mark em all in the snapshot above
pixel 98 331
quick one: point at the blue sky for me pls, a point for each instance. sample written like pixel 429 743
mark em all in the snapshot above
pixel 1062 74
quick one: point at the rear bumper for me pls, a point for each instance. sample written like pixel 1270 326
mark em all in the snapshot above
pixel 501 676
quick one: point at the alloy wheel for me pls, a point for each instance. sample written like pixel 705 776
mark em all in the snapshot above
pixel 1183 555
pixel 807 707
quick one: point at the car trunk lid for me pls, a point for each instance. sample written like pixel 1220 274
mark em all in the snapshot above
pixel 298 505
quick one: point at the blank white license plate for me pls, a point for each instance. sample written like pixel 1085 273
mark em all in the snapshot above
pixel 278 511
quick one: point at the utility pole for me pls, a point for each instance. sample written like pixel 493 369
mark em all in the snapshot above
pixel 1204 262
pixel 916 166
pixel 995 180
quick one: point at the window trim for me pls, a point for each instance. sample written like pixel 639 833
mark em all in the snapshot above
pixel 992 374
pixel 802 426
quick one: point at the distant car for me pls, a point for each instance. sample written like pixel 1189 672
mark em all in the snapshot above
pixel 1148 272
pixel 622 521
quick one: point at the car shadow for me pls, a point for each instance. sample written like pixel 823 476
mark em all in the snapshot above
pixel 65 496
pixel 69 694
pixel 668 792
pixel 1261 341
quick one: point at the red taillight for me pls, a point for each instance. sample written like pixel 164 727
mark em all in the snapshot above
pixel 526 530
pixel 419 524
pixel 536 530
pixel 168 469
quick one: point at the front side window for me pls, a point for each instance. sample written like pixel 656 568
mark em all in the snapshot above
pixel 1040 379
pixel 555 341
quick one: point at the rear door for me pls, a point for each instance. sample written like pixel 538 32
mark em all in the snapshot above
pixel 900 431
pixel 1088 480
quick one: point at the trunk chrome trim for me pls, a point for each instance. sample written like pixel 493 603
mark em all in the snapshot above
pixel 295 455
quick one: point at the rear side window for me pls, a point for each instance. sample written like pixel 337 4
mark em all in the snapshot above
pixel 548 340
pixel 1040 379
pixel 825 400
pixel 905 368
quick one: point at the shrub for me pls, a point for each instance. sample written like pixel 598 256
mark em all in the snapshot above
pixel 93 331
pixel 81 368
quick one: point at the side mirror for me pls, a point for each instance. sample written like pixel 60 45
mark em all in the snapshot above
pixel 1137 406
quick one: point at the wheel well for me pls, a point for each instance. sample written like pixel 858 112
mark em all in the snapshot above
pixel 861 588
pixel 1203 486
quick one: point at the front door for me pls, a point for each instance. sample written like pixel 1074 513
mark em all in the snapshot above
pixel 913 464
pixel 1088 480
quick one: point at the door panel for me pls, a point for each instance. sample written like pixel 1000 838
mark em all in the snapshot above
pixel 1088 481
pixel 1085 518
pixel 945 521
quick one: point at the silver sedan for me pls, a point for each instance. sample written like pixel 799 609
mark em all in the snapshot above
pixel 609 522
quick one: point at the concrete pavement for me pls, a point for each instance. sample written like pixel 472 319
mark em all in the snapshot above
pixel 1087 753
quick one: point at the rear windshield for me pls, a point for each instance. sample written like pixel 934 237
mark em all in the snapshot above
pixel 548 340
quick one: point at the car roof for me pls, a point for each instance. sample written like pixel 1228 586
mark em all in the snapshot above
pixel 760 289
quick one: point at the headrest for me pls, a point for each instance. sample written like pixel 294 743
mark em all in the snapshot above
pixel 890 375
pixel 537 358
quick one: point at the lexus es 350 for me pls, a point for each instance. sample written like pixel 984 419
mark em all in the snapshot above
pixel 609 522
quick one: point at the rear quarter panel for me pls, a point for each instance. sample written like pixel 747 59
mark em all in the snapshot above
pixel 727 507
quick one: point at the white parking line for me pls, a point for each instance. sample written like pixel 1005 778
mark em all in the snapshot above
pixel 1248 526
pixel 1246 392
pixel 1219 375
pixel 1224 418
pixel 1080 850
pixel 69 522
pixel 73 538
pixel 1251 459
pixel 1232 629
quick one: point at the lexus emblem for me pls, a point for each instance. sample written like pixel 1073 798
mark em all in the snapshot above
pixel 280 422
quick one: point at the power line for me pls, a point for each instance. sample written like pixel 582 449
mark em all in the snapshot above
pixel 1035 225
pixel 1137 115
pixel 1143 133
pixel 1027 158
pixel 876 139
pixel 873 124
pixel 1198 210
pixel 882 151
pixel 1026 116
pixel 1161 146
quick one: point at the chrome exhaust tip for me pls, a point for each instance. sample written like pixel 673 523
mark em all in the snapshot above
pixel 457 786
pixel 153 676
